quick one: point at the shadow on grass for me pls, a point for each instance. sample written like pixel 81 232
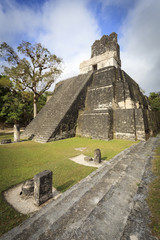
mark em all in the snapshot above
pixel 65 186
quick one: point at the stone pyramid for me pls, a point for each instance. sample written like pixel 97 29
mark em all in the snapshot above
pixel 103 102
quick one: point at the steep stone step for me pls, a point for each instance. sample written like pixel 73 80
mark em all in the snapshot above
pixel 97 207
pixel 67 226
pixel 108 219
pixel 76 223
pixel 52 114
pixel 33 127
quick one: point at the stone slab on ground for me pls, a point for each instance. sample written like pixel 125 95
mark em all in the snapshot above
pixel 96 208
pixel 81 149
pixel 21 204
pixel 6 141
pixel 80 160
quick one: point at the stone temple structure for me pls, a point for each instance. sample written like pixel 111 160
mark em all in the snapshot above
pixel 103 102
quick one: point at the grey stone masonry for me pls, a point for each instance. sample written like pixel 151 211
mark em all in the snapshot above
pixel 106 43
pixel 28 188
pixel 103 102
pixel 58 118
pixel 97 207
pixel 105 52
pixel 116 108
pixel 42 187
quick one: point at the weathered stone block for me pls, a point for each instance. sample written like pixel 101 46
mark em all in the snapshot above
pixel 124 124
pixel 28 188
pixel 42 187
pixel 97 156
pixel 95 125
pixel 5 141
pixel 88 159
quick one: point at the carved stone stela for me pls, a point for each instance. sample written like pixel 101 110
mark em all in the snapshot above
pixel 16 133
pixel 97 156
pixel 42 187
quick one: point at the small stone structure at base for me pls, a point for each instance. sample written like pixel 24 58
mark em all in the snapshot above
pixel 97 157
pixel 42 187
pixel 28 188
pixel 88 159
pixel 6 141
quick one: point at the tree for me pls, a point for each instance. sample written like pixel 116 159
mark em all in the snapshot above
pixel 17 107
pixel 37 71
pixel 10 107
pixel 154 100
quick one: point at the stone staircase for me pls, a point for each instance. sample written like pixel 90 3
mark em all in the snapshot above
pixel 97 207
pixel 47 121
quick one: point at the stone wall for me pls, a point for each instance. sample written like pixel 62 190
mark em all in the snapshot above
pixel 116 108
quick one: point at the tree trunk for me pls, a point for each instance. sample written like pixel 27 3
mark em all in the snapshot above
pixel 35 105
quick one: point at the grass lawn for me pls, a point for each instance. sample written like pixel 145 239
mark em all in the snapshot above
pixel 154 196
pixel 6 135
pixel 21 161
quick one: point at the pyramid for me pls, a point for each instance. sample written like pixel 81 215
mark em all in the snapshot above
pixel 103 102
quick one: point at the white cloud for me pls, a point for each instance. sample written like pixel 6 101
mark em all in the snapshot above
pixel 140 44
pixel 69 28
pixel 16 22
pixel 65 27
pixel 70 31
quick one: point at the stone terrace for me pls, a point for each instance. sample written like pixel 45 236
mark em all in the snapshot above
pixel 96 208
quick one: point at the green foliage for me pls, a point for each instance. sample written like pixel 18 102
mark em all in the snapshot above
pixel 41 101
pixel 21 161
pixel 154 196
pixel 17 107
pixel 37 71
pixel 5 82
pixel 154 100
pixel 11 110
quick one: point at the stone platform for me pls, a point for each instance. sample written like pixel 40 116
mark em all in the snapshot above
pixel 96 208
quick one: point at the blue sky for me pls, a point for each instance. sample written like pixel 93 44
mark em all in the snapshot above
pixel 68 28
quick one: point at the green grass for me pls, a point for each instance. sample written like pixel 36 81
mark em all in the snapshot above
pixel 6 135
pixel 21 161
pixel 154 196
